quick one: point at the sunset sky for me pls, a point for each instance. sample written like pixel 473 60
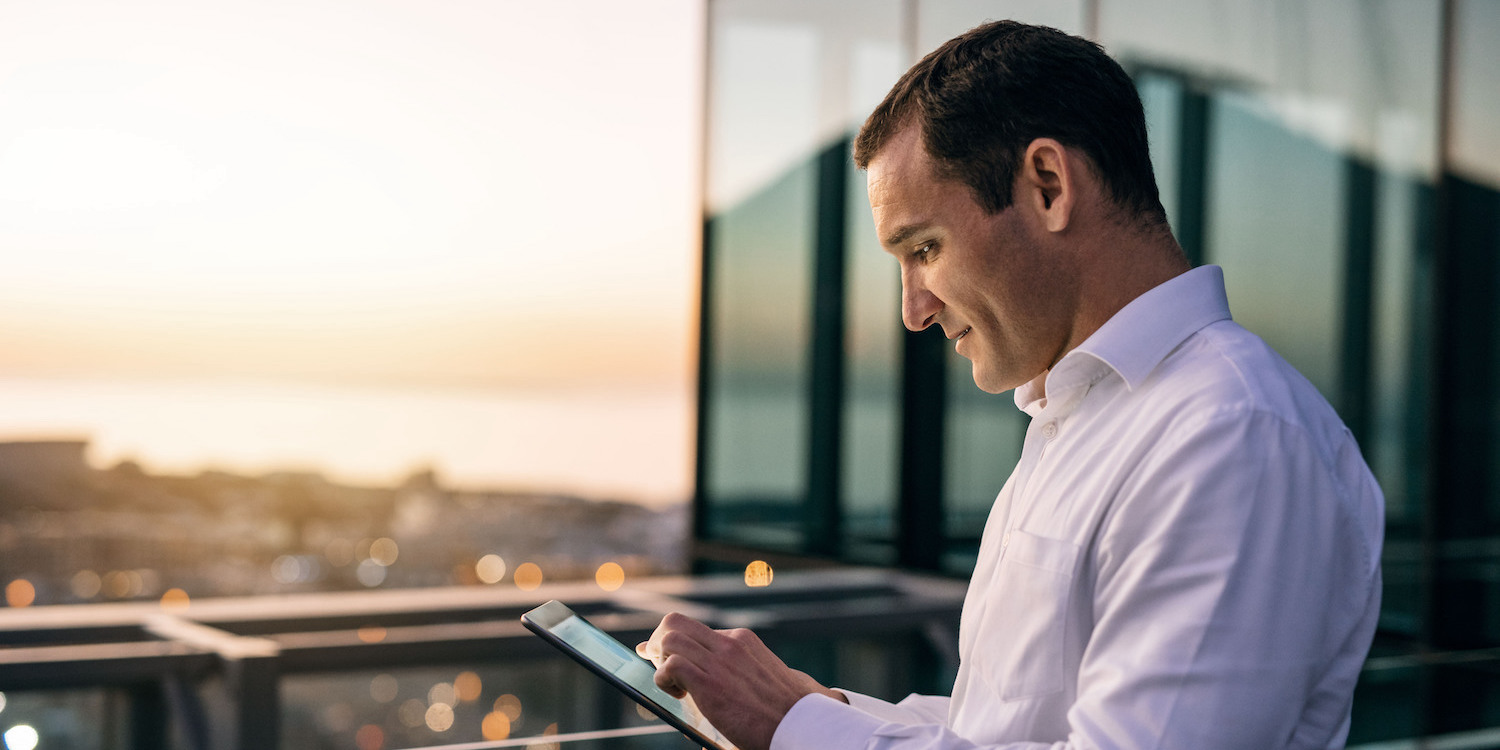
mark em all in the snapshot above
pixel 358 237
pixel 490 193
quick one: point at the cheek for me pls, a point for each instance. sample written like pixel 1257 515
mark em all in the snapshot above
pixel 988 303
pixel 1016 319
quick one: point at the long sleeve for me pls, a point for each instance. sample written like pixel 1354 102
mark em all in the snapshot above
pixel 913 709
pixel 1232 607
pixel 818 722
pixel 821 723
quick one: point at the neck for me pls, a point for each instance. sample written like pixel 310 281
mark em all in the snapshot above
pixel 1120 265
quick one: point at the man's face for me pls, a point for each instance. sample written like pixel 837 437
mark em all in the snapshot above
pixel 989 280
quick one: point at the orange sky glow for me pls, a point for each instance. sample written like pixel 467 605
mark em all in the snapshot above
pixel 479 193
pixel 360 237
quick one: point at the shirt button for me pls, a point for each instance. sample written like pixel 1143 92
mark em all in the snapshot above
pixel 1049 430
pixel 1005 540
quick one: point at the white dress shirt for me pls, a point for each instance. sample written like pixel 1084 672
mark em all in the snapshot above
pixel 1186 556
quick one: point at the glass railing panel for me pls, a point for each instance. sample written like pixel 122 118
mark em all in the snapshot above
pixel 86 719
pixel 445 705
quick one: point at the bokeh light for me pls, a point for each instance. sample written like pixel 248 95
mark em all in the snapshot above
pixel 490 568
pixel 372 634
pixel 509 705
pixel 370 573
pixel 148 580
pixel 20 593
pixel 439 717
pixel 610 576
pixel 384 551
pixel 116 584
pixel 413 713
pixel 467 687
pixel 369 737
pixel 550 731
pixel 21 737
pixel 496 726
pixel 442 692
pixel 528 576
pixel 86 584
pixel 175 600
pixel 123 584
pixel 285 569
pixel 758 573
pixel 296 569
pixel 338 717
pixel 384 688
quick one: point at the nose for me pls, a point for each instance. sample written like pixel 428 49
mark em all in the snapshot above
pixel 919 306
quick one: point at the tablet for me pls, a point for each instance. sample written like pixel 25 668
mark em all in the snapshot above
pixel 619 666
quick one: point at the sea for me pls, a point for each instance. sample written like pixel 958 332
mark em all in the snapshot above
pixel 632 444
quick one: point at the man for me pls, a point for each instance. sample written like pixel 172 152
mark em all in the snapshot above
pixel 1187 554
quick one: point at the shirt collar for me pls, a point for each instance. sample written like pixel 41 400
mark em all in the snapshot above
pixel 1132 342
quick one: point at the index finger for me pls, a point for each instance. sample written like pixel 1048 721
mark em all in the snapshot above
pixel 673 622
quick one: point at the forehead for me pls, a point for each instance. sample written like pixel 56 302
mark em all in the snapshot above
pixel 905 190
pixel 901 166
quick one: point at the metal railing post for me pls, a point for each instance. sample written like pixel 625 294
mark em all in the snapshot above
pixel 252 678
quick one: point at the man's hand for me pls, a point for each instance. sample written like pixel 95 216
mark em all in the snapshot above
pixel 738 684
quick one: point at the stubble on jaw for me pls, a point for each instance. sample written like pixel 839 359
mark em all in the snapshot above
pixel 1032 282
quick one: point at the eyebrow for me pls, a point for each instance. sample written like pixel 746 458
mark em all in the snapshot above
pixel 902 234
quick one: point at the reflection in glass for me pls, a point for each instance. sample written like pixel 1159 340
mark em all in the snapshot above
pixel 1276 202
pixel 787 83
pixel 870 464
pixel 763 113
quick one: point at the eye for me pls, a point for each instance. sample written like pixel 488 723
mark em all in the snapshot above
pixel 924 251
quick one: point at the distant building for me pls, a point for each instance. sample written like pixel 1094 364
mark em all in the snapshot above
pixel 41 469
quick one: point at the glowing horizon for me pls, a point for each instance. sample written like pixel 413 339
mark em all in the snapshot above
pixel 470 193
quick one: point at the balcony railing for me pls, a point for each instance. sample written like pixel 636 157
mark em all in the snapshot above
pixel 374 670
pixel 244 673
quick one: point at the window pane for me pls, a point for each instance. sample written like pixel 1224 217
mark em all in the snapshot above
pixel 787 81
pixel 759 327
pixel 982 442
pixel 1274 221
pixel 872 397
pixel 872 331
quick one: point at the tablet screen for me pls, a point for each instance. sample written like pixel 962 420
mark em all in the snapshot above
pixel 619 665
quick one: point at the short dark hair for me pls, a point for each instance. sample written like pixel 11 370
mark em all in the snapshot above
pixel 984 96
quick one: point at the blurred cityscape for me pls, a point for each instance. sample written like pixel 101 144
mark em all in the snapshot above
pixel 71 533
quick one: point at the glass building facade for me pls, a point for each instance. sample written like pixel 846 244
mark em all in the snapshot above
pixel 1340 159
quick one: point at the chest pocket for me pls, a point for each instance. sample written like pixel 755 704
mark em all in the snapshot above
pixel 1021 652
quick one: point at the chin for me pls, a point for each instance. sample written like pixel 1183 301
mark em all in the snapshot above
pixel 992 389
pixel 987 383
pixel 991 381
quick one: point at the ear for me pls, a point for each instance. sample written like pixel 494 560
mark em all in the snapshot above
pixel 1048 182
